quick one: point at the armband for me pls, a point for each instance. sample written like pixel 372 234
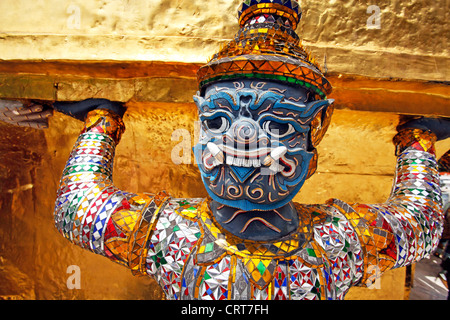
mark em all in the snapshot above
pixel 416 138
pixel 105 121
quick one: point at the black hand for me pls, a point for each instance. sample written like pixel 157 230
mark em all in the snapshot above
pixel 439 126
pixel 80 109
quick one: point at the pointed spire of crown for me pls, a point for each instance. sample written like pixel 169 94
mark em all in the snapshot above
pixel 286 9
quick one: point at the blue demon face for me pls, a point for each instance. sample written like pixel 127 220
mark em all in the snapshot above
pixel 254 148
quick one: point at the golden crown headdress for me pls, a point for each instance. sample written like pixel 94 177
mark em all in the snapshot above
pixel 266 47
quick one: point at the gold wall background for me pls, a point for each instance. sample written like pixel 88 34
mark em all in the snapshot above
pixel 403 65
pixel 412 42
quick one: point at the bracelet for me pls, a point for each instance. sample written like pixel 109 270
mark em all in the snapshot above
pixel 105 121
pixel 417 138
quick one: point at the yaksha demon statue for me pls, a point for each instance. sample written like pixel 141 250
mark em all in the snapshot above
pixel 263 108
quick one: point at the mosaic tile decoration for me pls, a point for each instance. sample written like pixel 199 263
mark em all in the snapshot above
pixel 179 243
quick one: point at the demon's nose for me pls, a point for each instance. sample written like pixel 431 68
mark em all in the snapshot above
pixel 245 131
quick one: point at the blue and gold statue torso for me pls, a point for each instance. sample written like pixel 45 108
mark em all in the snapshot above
pixel 192 257
pixel 263 110
pixel 180 244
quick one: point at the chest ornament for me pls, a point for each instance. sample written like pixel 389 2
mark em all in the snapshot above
pixel 260 258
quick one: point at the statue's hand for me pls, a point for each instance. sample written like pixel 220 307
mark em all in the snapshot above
pixel 30 115
pixel 439 126
pixel 80 109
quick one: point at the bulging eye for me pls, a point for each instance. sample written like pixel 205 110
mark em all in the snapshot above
pixel 217 125
pixel 278 129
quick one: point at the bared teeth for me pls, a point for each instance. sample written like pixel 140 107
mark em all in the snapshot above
pixel 215 152
pixel 242 162
pixel 220 157
pixel 276 167
pixel 275 154
pixel 256 163
pixel 278 152
pixel 268 161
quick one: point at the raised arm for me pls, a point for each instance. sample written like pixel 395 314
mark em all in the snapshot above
pixel 90 211
pixel 408 226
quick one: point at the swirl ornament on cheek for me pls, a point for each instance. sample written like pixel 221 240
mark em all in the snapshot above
pixel 254 150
